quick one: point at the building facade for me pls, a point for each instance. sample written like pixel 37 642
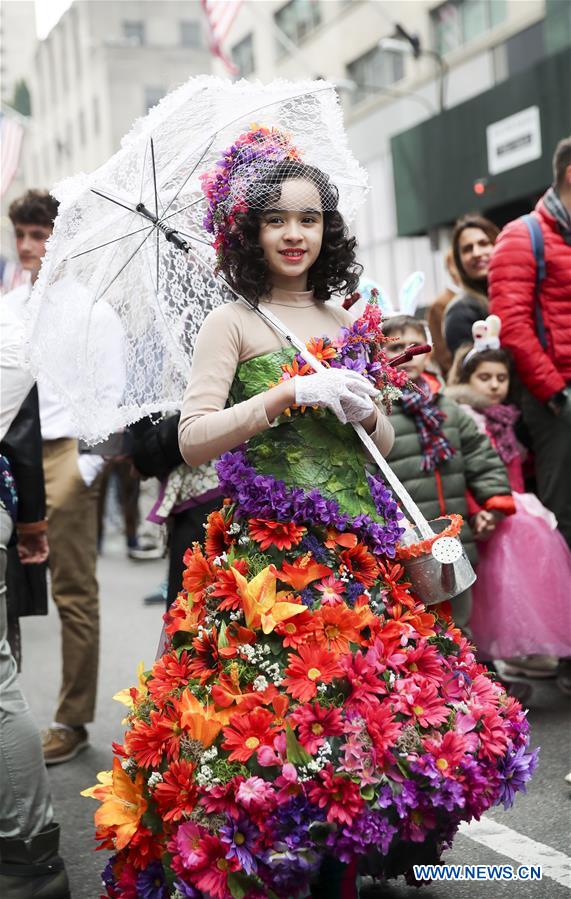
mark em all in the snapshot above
pixel 102 66
pixel 17 45
pixel 468 48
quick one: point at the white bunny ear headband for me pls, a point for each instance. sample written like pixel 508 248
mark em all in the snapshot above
pixel 409 295
pixel 486 336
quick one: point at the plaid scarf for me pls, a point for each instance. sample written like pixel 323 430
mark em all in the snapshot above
pixel 554 206
pixel 428 418
pixel 500 420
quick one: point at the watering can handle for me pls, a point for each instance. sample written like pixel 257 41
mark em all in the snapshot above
pixel 404 496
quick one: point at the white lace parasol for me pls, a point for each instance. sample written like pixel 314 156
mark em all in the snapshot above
pixel 111 276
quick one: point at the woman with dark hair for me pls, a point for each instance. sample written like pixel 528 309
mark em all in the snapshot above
pixel 268 737
pixel 473 241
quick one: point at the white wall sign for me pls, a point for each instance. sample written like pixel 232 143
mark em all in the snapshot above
pixel 514 141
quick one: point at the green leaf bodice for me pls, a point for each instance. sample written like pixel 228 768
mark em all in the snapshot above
pixel 310 450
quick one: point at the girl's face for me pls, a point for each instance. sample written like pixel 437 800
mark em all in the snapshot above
pixel 291 233
pixel 491 380
pixel 475 248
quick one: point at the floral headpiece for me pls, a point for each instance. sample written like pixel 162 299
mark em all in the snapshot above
pixel 225 185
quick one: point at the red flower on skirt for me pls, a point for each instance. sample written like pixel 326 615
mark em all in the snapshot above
pixel 246 733
pixel 361 564
pixel 311 667
pixel 282 534
pixel 177 795
pixel 339 793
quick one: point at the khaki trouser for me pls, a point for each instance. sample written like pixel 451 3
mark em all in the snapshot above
pixel 72 536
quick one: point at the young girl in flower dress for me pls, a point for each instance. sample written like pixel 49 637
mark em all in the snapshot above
pixel 521 596
pixel 308 714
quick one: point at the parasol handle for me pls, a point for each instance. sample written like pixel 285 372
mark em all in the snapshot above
pixel 404 496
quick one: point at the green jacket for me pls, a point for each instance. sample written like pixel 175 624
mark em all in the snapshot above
pixel 475 467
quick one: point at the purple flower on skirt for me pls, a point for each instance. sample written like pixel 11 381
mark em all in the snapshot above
pixel 408 798
pixel 515 771
pixel 151 882
pixel 261 496
pixel 369 829
pixel 188 891
pixel 353 591
pixel 310 544
pixel 240 837
pixel 107 875
pixel 449 795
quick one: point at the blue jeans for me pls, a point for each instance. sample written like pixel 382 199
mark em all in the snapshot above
pixel 25 801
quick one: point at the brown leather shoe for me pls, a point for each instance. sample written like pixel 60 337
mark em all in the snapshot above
pixel 61 744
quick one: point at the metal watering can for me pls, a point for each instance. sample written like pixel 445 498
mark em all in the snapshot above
pixel 442 569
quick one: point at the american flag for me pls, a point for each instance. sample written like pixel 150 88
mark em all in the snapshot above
pixel 11 135
pixel 220 15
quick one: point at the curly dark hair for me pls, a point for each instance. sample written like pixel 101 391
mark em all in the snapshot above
pixel 335 269
pixel 35 207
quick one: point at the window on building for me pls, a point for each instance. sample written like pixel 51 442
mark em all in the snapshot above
pixel 525 49
pixel 297 19
pixel 376 69
pixel 243 56
pixel 190 33
pixel 81 127
pixel 459 21
pixel 152 96
pixel 134 33
pixel 76 40
pixel 96 116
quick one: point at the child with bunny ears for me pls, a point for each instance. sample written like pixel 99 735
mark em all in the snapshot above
pixel 439 453
pixel 521 597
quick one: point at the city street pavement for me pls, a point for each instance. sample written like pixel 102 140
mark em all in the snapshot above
pixel 536 831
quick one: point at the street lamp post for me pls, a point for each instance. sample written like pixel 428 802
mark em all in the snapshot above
pixel 410 44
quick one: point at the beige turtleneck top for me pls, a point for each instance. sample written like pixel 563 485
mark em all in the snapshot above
pixel 233 334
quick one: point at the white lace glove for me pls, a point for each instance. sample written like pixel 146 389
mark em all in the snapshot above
pixel 347 393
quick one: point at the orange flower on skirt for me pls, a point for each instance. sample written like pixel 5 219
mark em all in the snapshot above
pixel 303 571
pixel 123 806
pixel 361 564
pixel 334 627
pixel 282 534
pixel 217 539
pixel 198 574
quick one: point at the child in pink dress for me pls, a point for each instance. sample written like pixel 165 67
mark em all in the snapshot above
pixel 522 597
